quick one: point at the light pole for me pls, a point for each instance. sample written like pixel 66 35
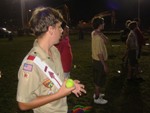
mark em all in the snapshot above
pixel 139 8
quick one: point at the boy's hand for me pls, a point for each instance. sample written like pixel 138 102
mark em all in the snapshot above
pixel 64 91
pixel 79 88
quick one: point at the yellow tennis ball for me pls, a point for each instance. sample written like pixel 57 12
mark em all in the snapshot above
pixel 69 83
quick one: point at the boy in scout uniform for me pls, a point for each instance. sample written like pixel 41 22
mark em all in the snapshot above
pixel 41 83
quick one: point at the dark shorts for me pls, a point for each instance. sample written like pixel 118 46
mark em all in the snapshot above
pixel 132 56
pixel 99 75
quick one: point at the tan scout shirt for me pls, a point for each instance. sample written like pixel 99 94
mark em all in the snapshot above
pixel 33 82
pixel 98 47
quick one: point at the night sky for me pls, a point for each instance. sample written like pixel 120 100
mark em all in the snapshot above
pixel 10 10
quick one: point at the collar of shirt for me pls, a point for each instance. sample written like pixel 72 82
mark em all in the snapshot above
pixel 40 52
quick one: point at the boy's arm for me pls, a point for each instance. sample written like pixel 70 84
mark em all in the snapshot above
pixel 100 56
pixel 42 100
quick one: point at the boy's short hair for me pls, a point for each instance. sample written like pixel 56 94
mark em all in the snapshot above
pixel 42 18
pixel 132 25
pixel 127 23
pixel 96 21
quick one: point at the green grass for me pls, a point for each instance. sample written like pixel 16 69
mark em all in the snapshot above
pixel 122 96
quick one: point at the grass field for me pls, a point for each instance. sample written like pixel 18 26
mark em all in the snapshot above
pixel 123 97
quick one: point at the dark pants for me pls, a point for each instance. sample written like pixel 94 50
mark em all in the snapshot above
pixel 132 56
pixel 99 75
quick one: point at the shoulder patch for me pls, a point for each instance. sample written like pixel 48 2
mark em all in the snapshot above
pixel 27 67
pixel 26 75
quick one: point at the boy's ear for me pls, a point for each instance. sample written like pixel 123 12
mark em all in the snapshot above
pixel 50 30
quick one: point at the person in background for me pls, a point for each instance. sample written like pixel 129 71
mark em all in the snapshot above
pixel 99 58
pixel 140 37
pixel 65 50
pixel 132 52
pixel 41 82
pixel 125 32
pixel 81 31
pixel 124 36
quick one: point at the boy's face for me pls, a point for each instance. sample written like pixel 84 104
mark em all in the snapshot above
pixel 57 32
pixel 102 26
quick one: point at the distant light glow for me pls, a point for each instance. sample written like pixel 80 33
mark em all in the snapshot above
pixel 147 44
pixel 0 74
pixel 119 71
pixel 4 29
pixel 9 32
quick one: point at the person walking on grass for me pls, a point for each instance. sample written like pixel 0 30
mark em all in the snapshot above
pixel 41 83
pixel 99 58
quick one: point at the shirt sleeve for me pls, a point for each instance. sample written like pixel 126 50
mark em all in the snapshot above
pixel 28 82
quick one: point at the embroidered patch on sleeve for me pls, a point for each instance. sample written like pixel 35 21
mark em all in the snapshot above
pixel 26 75
pixel 27 67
